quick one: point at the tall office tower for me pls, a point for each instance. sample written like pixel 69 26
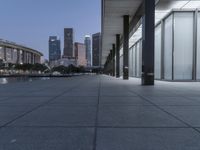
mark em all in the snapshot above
pixel 88 49
pixel 68 42
pixel 54 48
pixel 96 50
pixel 80 54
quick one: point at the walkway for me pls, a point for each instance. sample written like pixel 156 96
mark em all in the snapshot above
pixel 99 113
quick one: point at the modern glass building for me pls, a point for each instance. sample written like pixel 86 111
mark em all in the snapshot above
pixel 68 42
pixel 11 52
pixel 88 50
pixel 154 40
pixel 54 48
pixel 96 50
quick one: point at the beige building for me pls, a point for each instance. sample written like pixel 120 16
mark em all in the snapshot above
pixel 80 54
pixel 11 52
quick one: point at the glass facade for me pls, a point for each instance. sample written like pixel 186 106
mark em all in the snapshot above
pixel 121 62
pixel 130 62
pixel 183 45
pixel 158 52
pixel 175 49
pixel 198 47
pixel 139 59
pixel 168 32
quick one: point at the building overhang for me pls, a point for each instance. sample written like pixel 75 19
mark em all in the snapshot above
pixel 114 10
pixel 17 46
pixel 112 21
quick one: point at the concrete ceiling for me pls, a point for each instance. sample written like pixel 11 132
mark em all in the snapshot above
pixel 113 11
pixel 112 21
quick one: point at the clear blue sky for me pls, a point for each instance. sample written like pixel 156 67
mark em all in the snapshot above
pixel 31 22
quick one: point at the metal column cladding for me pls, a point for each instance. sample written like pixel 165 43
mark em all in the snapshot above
pixel 125 47
pixel 114 53
pixel 148 43
pixel 117 55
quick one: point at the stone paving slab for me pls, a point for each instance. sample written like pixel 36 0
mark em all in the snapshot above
pixel 135 116
pixel 174 101
pixel 123 100
pixel 99 113
pixel 72 115
pixel 148 139
pixel 46 138
pixel 21 101
pixel 189 114
pixel 8 112
pixel 66 100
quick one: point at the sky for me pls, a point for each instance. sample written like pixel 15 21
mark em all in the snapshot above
pixel 31 22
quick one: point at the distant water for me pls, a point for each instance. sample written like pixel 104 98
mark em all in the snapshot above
pixel 19 79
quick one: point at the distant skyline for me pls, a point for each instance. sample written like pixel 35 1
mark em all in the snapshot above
pixel 31 22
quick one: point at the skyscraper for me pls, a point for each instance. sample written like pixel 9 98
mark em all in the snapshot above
pixel 68 42
pixel 80 54
pixel 88 49
pixel 54 48
pixel 96 50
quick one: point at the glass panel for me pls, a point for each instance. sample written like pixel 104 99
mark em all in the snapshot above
pixel 121 62
pixel 130 62
pixel 158 52
pixel 121 65
pixel 168 48
pixel 138 60
pixel 183 45
pixel 198 47
pixel 134 61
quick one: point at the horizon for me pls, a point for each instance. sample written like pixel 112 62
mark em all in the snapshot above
pixel 32 27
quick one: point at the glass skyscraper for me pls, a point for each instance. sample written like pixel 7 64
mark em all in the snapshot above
pixel 68 42
pixel 54 48
pixel 88 50
pixel 96 50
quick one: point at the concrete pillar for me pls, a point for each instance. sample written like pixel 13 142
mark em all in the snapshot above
pixel 148 43
pixel 23 57
pixel 117 56
pixel 18 56
pixel 125 47
pixel 113 59
pixel 31 58
pixel 5 54
pixel 111 62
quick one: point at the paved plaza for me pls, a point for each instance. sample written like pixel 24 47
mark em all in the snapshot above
pixel 99 113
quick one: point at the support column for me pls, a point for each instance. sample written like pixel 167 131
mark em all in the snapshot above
pixel 194 70
pixel 111 62
pixel 113 59
pixel 5 54
pixel 162 50
pixel 148 43
pixel 18 56
pixel 117 56
pixel 125 47
pixel 23 57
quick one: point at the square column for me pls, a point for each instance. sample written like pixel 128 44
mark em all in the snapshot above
pixel 5 54
pixel 148 42
pixel 113 60
pixel 125 47
pixel 117 55
pixel 18 56
pixel 110 63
